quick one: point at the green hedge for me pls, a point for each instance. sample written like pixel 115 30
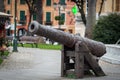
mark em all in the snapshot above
pixel 107 29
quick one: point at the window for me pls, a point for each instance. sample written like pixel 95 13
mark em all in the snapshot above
pixel 63 16
pixel 34 16
pixel 22 15
pixel 48 2
pixel 62 2
pixel 22 1
pixel 8 1
pixel 8 11
pixel 62 20
pixel 48 16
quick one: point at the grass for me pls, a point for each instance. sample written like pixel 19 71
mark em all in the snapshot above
pixel 44 46
pixel 50 46
pixel 71 76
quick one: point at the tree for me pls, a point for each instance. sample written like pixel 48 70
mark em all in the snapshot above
pixel 35 8
pixel 101 6
pixel 80 4
pixel 107 29
pixel 32 9
pixel 39 11
pixel 91 16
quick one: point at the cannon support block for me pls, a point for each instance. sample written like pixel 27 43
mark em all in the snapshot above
pixel 78 61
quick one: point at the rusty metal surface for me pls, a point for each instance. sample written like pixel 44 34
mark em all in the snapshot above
pixel 96 48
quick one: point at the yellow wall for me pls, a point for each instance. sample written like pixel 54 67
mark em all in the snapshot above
pixel 108 6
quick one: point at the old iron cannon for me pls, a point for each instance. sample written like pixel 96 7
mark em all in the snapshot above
pixel 96 48
pixel 76 48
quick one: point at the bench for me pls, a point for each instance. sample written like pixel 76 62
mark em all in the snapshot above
pixel 9 40
pixel 33 40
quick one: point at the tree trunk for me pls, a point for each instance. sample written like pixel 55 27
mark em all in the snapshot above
pixel 80 5
pixel 101 6
pixel 30 17
pixel 39 11
pixel 91 18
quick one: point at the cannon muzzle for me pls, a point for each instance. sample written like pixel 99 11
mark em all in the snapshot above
pixel 96 48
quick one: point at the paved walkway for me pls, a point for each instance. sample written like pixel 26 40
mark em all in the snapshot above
pixel 37 64
pixel 113 54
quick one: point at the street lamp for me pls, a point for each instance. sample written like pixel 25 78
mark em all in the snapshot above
pixel 15 39
pixel 59 5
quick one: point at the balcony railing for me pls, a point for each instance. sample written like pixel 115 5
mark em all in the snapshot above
pixel 22 22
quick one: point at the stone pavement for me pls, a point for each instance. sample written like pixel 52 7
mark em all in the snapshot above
pixel 39 64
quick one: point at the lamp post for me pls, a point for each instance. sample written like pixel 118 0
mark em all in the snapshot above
pixel 15 39
pixel 59 7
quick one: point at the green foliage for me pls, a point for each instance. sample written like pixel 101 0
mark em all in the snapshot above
pixel 50 46
pixel 61 22
pixel 107 29
pixel 71 76
pixel 59 18
pixel 5 53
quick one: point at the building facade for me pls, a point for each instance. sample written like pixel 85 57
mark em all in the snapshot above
pixel 22 11
pixel 51 9
pixel 49 13
pixel 109 6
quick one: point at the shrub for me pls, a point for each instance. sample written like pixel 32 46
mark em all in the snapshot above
pixel 107 29
pixel 59 18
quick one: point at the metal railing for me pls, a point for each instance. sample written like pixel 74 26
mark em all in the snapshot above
pixel 117 42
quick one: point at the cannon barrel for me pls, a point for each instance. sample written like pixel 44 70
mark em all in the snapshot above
pixel 96 48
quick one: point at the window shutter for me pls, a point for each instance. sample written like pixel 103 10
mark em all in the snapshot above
pixel 48 16
pixel 63 16
pixel 34 16
pixel 48 2
pixel 8 1
pixel 22 1
pixel 62 2
pixel 22 15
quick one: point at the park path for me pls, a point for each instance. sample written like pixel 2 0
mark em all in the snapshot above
pixel 31 64
pixel 39 64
